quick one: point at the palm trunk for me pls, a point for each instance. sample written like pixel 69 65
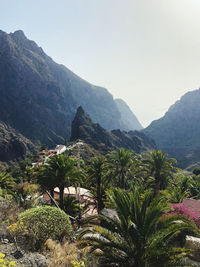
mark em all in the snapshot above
pixel 100 204
pixel 123 180
pixel 52 195
pixel 61 199
pixel 157 185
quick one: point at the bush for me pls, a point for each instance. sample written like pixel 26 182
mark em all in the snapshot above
pixel 45 222
pixel 180 209
pixel 6 262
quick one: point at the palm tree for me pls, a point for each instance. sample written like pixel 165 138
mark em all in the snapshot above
pixel 179 188
pixel 121 161
pixel 139 234
pixel 6 182
pixel 98 180
pixel 64 172
pixel 46 179
pixel 160 167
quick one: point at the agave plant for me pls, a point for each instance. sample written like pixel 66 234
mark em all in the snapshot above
pixel 140 235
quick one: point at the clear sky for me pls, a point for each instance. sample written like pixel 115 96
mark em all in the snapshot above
pixel 146 52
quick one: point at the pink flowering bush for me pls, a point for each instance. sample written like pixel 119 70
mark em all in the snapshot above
pixel 180 209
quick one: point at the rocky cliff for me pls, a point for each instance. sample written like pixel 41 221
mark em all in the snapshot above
pixel 13 145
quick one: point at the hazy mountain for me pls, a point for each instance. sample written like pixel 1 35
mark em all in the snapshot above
pixel 178 131
pixel 39 97
pixel 105 141
pixel 127 116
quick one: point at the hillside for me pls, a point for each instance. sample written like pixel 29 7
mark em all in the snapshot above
pixel 39 97
pixel 12 144
pixel 105 141
pixel 178 131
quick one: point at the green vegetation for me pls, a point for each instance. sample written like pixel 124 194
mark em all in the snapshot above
pixel 134 197
pixel 61 172
pixel 98 181
pixel 121 161
pixel 6 184
pixel 45 222
pixel 71 206
pixel 160 167
pixel 139 235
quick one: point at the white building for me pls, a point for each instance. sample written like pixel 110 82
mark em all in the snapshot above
pixel 60 149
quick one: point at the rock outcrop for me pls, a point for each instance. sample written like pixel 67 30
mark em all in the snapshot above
pixel 13 145
pixel 105 141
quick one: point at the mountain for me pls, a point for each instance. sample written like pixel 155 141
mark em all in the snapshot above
pixel 106 141
pixel 178 131
pixel 127 116
pixel 13 145
pixel 39 97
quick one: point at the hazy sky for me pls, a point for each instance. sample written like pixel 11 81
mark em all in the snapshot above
pixel 146 52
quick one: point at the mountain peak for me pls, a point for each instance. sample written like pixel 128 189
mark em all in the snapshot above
pixel 19 34
pixel 103 140
pixel 80 111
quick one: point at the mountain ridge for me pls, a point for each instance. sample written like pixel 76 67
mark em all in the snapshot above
pixel 178 131
pixel 43 96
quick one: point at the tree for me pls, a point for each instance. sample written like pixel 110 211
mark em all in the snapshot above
pixel 179 188
pixel 139 235
pixel 121 161
pixel 61 171
pixel 160 167
pixel 46 179
pixel 98 180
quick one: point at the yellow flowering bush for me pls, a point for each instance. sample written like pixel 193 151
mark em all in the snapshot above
pixel 80 263
pixel 17 230
pixel 5 262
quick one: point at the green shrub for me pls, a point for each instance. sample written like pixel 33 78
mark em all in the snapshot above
pixel 45 222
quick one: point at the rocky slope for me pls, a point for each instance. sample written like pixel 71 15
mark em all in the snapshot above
pixel 13 145
pixel 39 97
pixel 178 131
pixel 105 141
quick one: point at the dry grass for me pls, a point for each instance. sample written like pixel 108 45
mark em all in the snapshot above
pixel 63 255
